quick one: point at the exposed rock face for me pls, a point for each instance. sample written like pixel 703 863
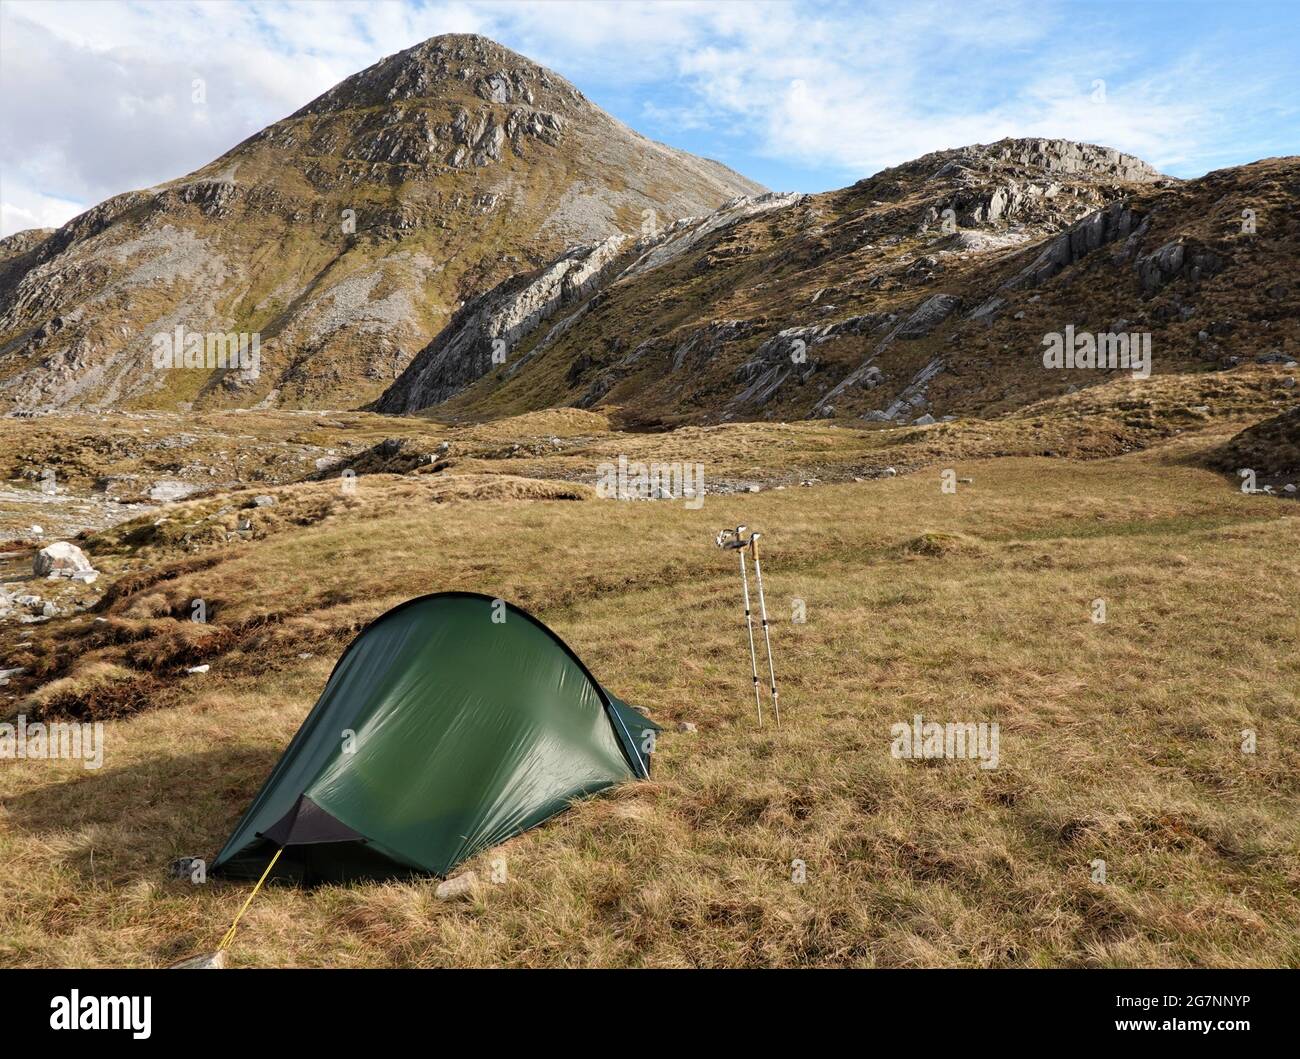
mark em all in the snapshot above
pixel 493 323
pixel 1076 159
pixel 463 352
pixel 1174 259
pixel 345 236
pixel 918 323
pixel 928 315
pixel 1107 225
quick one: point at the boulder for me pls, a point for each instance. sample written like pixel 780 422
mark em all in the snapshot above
pixel 62 559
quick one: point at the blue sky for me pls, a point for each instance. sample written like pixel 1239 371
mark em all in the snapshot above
pixel 95 97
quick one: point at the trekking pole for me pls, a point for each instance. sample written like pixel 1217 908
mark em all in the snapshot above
pixel 767 638
pixel 734 539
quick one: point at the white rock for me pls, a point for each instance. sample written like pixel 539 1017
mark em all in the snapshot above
pixel 686 726
pixel 36 531
pixel 462 887
pixel 198 669
pixel 60 558
pixel 209 961
pixel 169 489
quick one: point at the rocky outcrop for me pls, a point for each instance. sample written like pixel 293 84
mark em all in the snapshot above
pixel 1074 159
pixel 483 333
pixel 1173 260
pixel 919 323
pixel 509 313
pixel 1104 226
pixel 682 235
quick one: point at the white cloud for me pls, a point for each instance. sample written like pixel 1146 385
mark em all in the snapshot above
pixel 21 209
pixel 97 96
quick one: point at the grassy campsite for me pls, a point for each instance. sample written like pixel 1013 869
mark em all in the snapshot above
pixel 811 844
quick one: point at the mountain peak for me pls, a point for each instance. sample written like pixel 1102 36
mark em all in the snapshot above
pixel 450 65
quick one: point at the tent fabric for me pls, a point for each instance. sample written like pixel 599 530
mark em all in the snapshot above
pixel 450 723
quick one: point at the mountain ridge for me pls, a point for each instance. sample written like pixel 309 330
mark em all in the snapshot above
pixel 924 290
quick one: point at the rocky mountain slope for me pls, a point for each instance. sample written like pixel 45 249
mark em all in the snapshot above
pixel 926 290
pixel 344 236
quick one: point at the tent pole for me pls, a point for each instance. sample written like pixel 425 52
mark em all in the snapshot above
pixel 767 638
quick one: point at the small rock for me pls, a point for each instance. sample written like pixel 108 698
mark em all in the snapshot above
pixel 462 887
pixel 1288 383
pixel 181 868
pixel 36 531
pixel 305 654
pixel 169 489
pixel 1289 487
pixel 209 961
pixel 686 726
pixel 199 669
pixel 924 421
pixel 49 610
pixel 890 472
pixel 263 501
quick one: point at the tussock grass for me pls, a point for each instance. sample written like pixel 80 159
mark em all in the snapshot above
pixel 1119 741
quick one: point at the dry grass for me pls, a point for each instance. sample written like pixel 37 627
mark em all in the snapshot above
pixel 1118 741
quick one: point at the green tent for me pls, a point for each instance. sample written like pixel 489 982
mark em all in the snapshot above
pixel 449 724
